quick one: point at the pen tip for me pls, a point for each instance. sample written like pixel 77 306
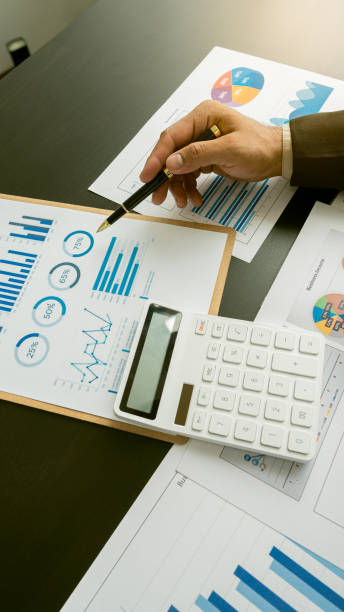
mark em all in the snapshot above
pixel 103 226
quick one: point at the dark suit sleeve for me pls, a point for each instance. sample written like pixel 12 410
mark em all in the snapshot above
pixel 318 150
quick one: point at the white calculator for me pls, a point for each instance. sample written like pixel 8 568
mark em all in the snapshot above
pixel 223 380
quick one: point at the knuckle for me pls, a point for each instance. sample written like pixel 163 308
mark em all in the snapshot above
pixel 195 150
pixel 163 134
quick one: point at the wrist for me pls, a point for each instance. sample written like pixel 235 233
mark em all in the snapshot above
pixel 275 151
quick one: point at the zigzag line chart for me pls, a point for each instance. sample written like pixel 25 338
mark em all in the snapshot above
pixel 94 339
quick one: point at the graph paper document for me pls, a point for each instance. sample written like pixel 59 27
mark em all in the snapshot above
pixel 70 300
pixel 213 557
pixel 304 501
pixel 267 91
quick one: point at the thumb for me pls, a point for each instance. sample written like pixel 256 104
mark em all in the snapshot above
pixel 196 155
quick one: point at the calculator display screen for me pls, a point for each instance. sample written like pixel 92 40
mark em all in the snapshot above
pixel 150 364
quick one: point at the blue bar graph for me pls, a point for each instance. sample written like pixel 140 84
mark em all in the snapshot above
pixel 118 271
pixel 114 272
pixel 204 604
pixel 34 231
pixel 220 603
pixel 127 272
pixel 131 279
pixel 104 263
pixel 13 275
pixel 314 589
pixel 231 203
pixel 43 221
pixel 259 591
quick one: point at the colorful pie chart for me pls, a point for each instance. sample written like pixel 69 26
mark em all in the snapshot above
pixel 238 86
pixel 328 315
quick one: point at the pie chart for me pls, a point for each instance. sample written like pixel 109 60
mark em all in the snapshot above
pixel 237 86
pixel 328 315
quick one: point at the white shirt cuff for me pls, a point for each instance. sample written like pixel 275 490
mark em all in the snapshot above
pixel 287 152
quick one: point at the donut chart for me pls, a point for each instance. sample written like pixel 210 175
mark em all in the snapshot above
pixel 237 86
pixel 328 315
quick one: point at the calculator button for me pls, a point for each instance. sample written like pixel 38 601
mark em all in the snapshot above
pixel 257 358
pixel 261 336
pixel 201 327
pixel 299 442
pixel 302 415
pixel 304 390
pixel 253 381
pixel 233 354
pixel 310 345
pixel 198 420
pixel 209 371
pixel 279 385
pixel 285 340
pixel 224 400
pixel 213 350
pixel 229 377
pixel 203 398
pixel 275 410
pixel 245 430
pixel 294 364
pixel 217 329
pixel 219 424
pixel 237 332
pixel 272 436
pixel 249 405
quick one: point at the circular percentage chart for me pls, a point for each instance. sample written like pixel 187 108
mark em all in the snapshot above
pixel 237 86
pixel 78 243
pixel 31 350
pixel 64 276
pixel 48 311
pixel 328 315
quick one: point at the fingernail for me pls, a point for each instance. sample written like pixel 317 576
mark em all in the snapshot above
pixel 174 162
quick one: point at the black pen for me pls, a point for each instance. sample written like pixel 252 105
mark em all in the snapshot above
pixel 148 188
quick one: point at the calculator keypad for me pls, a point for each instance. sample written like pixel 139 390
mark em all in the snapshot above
pixel 258 387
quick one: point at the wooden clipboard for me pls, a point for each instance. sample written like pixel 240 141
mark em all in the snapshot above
pixel 213 310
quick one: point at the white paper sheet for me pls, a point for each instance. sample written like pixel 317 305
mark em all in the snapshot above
pixel 339 200
pixel 265 90
pixel 70 300
pixel 126 531
pixel 194 551
pixel 304 501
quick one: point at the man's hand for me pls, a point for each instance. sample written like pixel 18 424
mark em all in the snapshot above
pixel 247 150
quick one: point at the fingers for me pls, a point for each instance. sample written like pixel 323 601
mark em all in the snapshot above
pixel 160 194
pixel 190 185
pixel 198 155
pixel 181 133
pixel 178 191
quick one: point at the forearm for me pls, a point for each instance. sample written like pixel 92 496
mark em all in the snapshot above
pixel 318 150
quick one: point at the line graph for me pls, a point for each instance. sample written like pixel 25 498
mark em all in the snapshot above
pixel 95 337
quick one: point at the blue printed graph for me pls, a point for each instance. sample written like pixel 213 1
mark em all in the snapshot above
pixel 33 228
pixel 96 337
pixel 232 203
pixel 255 592
pixel 309 100
pixel 118 270
pixel 14 272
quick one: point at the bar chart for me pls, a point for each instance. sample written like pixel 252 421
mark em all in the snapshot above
pixel 31 228
pixel 120 268
pixel 232 203
pixel 14 272
pixel 215 558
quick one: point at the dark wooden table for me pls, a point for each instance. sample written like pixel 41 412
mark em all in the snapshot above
pixel 64 115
